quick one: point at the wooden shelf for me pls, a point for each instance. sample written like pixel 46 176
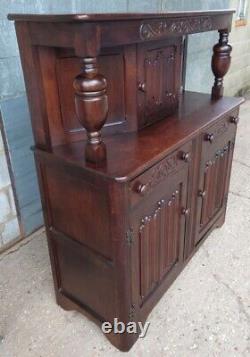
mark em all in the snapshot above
pixel 130 153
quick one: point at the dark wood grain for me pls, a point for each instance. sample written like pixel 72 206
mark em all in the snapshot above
pixel 125 209
pixel 112 16
pixel 220 63
pixel 129 154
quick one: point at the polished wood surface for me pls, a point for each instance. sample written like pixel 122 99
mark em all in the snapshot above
pixel 133 170
pixel 128 154
pixel 221 61
pixel 112 16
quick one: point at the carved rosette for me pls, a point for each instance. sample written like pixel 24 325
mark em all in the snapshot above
pixel 160 28
pixel 91 105
pixel 221 61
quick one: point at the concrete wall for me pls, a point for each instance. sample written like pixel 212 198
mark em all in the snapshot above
pixel 199 76
pixel 9 228
pixel 238 77
pixel 11 80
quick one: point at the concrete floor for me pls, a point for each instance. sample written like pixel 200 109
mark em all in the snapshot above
pixel 206 312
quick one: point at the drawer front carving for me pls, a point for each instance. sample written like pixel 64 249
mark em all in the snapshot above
pixel 145 183
pixel 222 129
pixel 157 29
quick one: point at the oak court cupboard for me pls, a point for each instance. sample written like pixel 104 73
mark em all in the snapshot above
pixel 133 170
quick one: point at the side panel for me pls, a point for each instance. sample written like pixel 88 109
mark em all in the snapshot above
pixel 83 276
pixel 77 215
pixel 79 210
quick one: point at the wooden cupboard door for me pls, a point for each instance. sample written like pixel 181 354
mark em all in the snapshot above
pixel 216 162
pixel 158 226
pixel 158 80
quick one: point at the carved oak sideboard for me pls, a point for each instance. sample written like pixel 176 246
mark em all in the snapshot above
pixel 125 210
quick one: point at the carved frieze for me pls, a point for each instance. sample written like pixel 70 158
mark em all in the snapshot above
pixel 160 28
pixel 167 167
pixel 220 130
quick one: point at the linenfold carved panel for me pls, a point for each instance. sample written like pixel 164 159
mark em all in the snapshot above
pixel 160 93
pixel 214 184
pixel 159 80
pixel 157 29
pixel 159 239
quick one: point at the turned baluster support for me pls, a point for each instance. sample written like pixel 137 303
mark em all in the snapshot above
pixel 91 104
pixel 220 63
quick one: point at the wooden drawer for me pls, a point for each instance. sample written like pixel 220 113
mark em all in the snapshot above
pixel 156 176
pixel 217 135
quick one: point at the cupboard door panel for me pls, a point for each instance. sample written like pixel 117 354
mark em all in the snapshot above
pixel 159 68
pixel 149 243
pixel 158 226
pixel 159 242
pixel 216 161
pixel 169 244
pixel 214 185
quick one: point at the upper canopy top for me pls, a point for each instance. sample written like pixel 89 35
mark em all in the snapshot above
pixel 67 17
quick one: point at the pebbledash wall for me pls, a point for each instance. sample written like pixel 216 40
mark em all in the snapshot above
pixel 20 217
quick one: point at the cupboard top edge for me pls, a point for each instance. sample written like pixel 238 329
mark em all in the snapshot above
pixel 100 17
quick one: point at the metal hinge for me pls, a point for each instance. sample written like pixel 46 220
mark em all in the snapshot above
pixel 129 236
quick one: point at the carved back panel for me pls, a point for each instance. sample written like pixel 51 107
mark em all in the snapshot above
pixel 59 67
pixel 67 68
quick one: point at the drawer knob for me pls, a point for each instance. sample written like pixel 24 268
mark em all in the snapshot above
pixel 234 120
pixel 185 156
pixel 140 188
pixel 202 193
pixel 142 87
pixel 209 137
pixel 185 211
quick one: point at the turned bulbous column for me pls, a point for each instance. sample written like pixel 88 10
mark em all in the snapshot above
pixel 91 105
pixel 220 63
